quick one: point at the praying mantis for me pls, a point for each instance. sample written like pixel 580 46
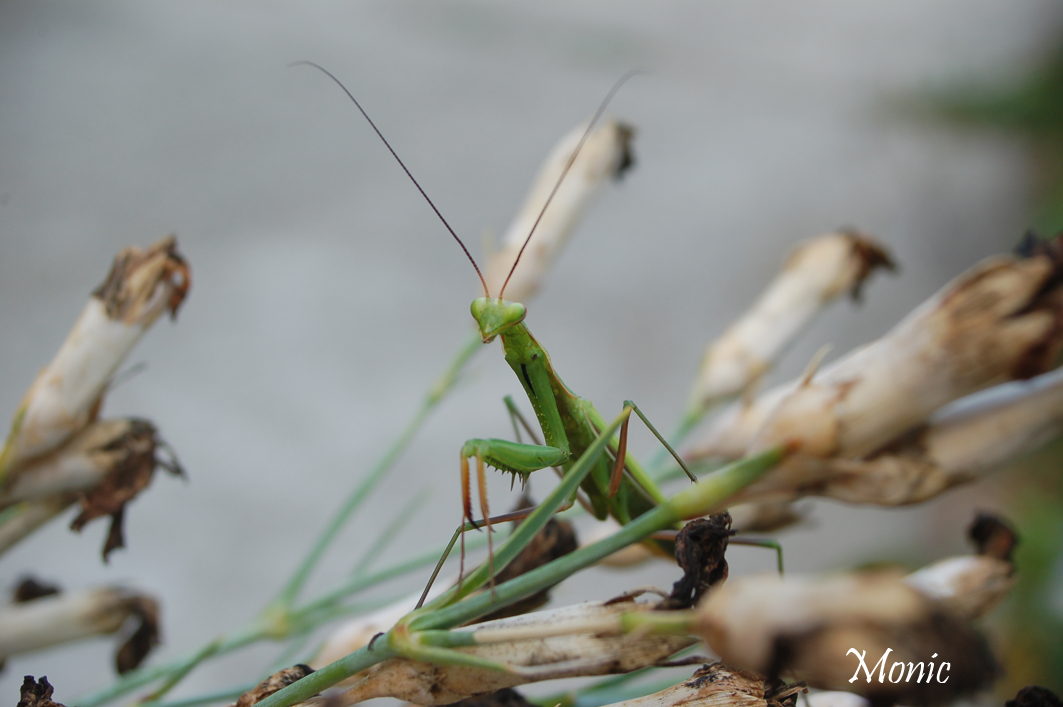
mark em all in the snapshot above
pixel 619 487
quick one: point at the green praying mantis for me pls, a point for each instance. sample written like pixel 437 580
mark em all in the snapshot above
pixel 617 485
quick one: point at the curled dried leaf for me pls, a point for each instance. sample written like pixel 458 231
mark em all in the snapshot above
pixel 30 588
pixel 275 682
pixel 700 549
pixel 144 612
pixel 133 456
pixel 75 615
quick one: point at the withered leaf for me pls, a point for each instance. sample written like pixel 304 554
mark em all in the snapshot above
pixel 36 693
pixel 275 682
pixel 144 637
pixel 699 550
pixel 130 475
pixel 29 588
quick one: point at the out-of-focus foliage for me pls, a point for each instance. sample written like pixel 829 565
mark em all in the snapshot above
pixel 1032 110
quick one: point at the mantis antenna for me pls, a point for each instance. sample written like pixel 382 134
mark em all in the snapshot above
pixel 568 166
pixel 403 165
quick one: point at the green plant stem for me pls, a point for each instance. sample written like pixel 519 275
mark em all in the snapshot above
pixel 401 520
pixel 436 393
pixel 227 696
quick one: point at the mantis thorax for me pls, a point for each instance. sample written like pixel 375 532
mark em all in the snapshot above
pixel 494 316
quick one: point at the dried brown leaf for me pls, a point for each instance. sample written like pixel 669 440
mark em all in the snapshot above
pixel 275 682
pixel 29 588
pixel 143 638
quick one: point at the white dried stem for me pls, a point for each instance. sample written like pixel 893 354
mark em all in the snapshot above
pixel 961 443
pixel 805 627
pixel 994 323
pixel 528 660
pixel 72 616
pixel 67 393
pixel 605 154
pixel 815 273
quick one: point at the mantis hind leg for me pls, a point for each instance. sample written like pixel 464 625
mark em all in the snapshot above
pixel 623 462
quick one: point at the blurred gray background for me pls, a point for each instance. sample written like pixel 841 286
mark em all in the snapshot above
pixel 326 298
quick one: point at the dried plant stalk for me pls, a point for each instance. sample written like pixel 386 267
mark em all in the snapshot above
pixel 997 322
pixel 67 393
pixel 73 616
pixel 815 273
pixel 606 154
pixel 959 444
pixel 513 641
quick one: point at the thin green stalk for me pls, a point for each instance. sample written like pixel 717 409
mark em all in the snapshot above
pixel 358 495
pixel 401 519
pixel 144 676
pixel 228 695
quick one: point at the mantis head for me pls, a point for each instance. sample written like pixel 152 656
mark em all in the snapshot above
pixel 495 316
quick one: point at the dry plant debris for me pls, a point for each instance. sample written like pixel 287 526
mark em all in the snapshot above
pixel 720 685
pixel 276 681
pixel 37 693
pixel 700 549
